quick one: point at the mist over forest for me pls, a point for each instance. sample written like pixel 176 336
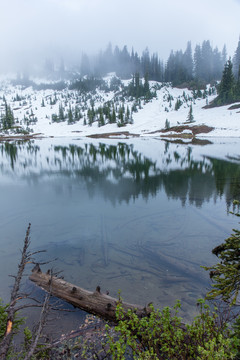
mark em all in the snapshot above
pixel 191 69
pixel 101 62
pixel 202 65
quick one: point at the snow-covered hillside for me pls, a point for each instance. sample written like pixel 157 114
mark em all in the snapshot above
pixel 35 110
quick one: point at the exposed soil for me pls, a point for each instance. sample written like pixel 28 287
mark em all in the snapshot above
pixel 213 104
pixel 195 129
pixel 193 141
pixel 233 107
pixel 20 137
pixel 113 135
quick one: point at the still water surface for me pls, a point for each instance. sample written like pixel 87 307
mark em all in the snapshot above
pixel 136 215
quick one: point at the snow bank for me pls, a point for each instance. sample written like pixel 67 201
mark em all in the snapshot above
pixel 151 118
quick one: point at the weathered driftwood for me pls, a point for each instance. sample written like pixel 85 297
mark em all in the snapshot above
pixel 95 302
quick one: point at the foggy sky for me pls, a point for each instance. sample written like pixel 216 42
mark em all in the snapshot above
pixel 32 30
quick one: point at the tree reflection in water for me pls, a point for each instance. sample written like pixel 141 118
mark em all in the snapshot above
pixel 121 173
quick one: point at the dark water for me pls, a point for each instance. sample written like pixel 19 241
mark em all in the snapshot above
pixel 139 215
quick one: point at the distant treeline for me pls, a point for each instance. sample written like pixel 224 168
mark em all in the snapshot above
pixel 205 64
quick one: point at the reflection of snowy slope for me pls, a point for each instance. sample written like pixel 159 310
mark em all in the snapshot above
pixel 47 158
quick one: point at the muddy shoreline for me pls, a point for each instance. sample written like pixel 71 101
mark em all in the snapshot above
pixel 172 132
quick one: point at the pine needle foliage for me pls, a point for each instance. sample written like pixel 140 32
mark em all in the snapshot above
pixel 226 273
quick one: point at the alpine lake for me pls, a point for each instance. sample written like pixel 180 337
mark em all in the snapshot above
pixel 137 215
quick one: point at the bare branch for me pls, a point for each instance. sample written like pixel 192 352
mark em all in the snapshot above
pixel 5 344
pixel 44 263
pixel 38 252
pixel 41 323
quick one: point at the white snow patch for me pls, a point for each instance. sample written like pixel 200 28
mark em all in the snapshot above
pixel 151 118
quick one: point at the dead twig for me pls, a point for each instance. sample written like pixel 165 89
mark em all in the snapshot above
pixel 41 324
pixel 16 296
pixel 11 310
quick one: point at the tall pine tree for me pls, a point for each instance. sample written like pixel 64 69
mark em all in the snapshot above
pixel 236 60
pixel 7 118
pixel 227 85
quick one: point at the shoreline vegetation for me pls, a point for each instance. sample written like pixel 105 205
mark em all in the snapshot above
pixel 158 334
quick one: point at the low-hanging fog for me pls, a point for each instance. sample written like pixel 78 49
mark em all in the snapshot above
pixel 33 30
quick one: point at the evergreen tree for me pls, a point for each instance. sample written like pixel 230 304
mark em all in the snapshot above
pixel 113 115
pixel 179 68
pixel 70 116
pixel 237 89
pixel 136 63
pixel 61 115
pixel 198 62
pixel 90 115
pixel 170 67
pixel 207 61
pixel 134 88
pixel 127 116
pixel 124 63
pixel 145 62
pixel 137 83
pixel 188 62
pixel 226 86
pixel 7 118
pixel 236 60
pixel 217 65
pixel 190 117
pixel 116 57
pixel 155 71
pixel 146 88
pixel 121 116
pixel 108 59
pixel 224 55
pixel 178 104
pixel 77 113
pixel 101 121
pixel 225 274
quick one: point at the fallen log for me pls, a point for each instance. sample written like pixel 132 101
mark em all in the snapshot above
pixel 95 302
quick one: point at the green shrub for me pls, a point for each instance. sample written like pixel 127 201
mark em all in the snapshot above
pixel 162 335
